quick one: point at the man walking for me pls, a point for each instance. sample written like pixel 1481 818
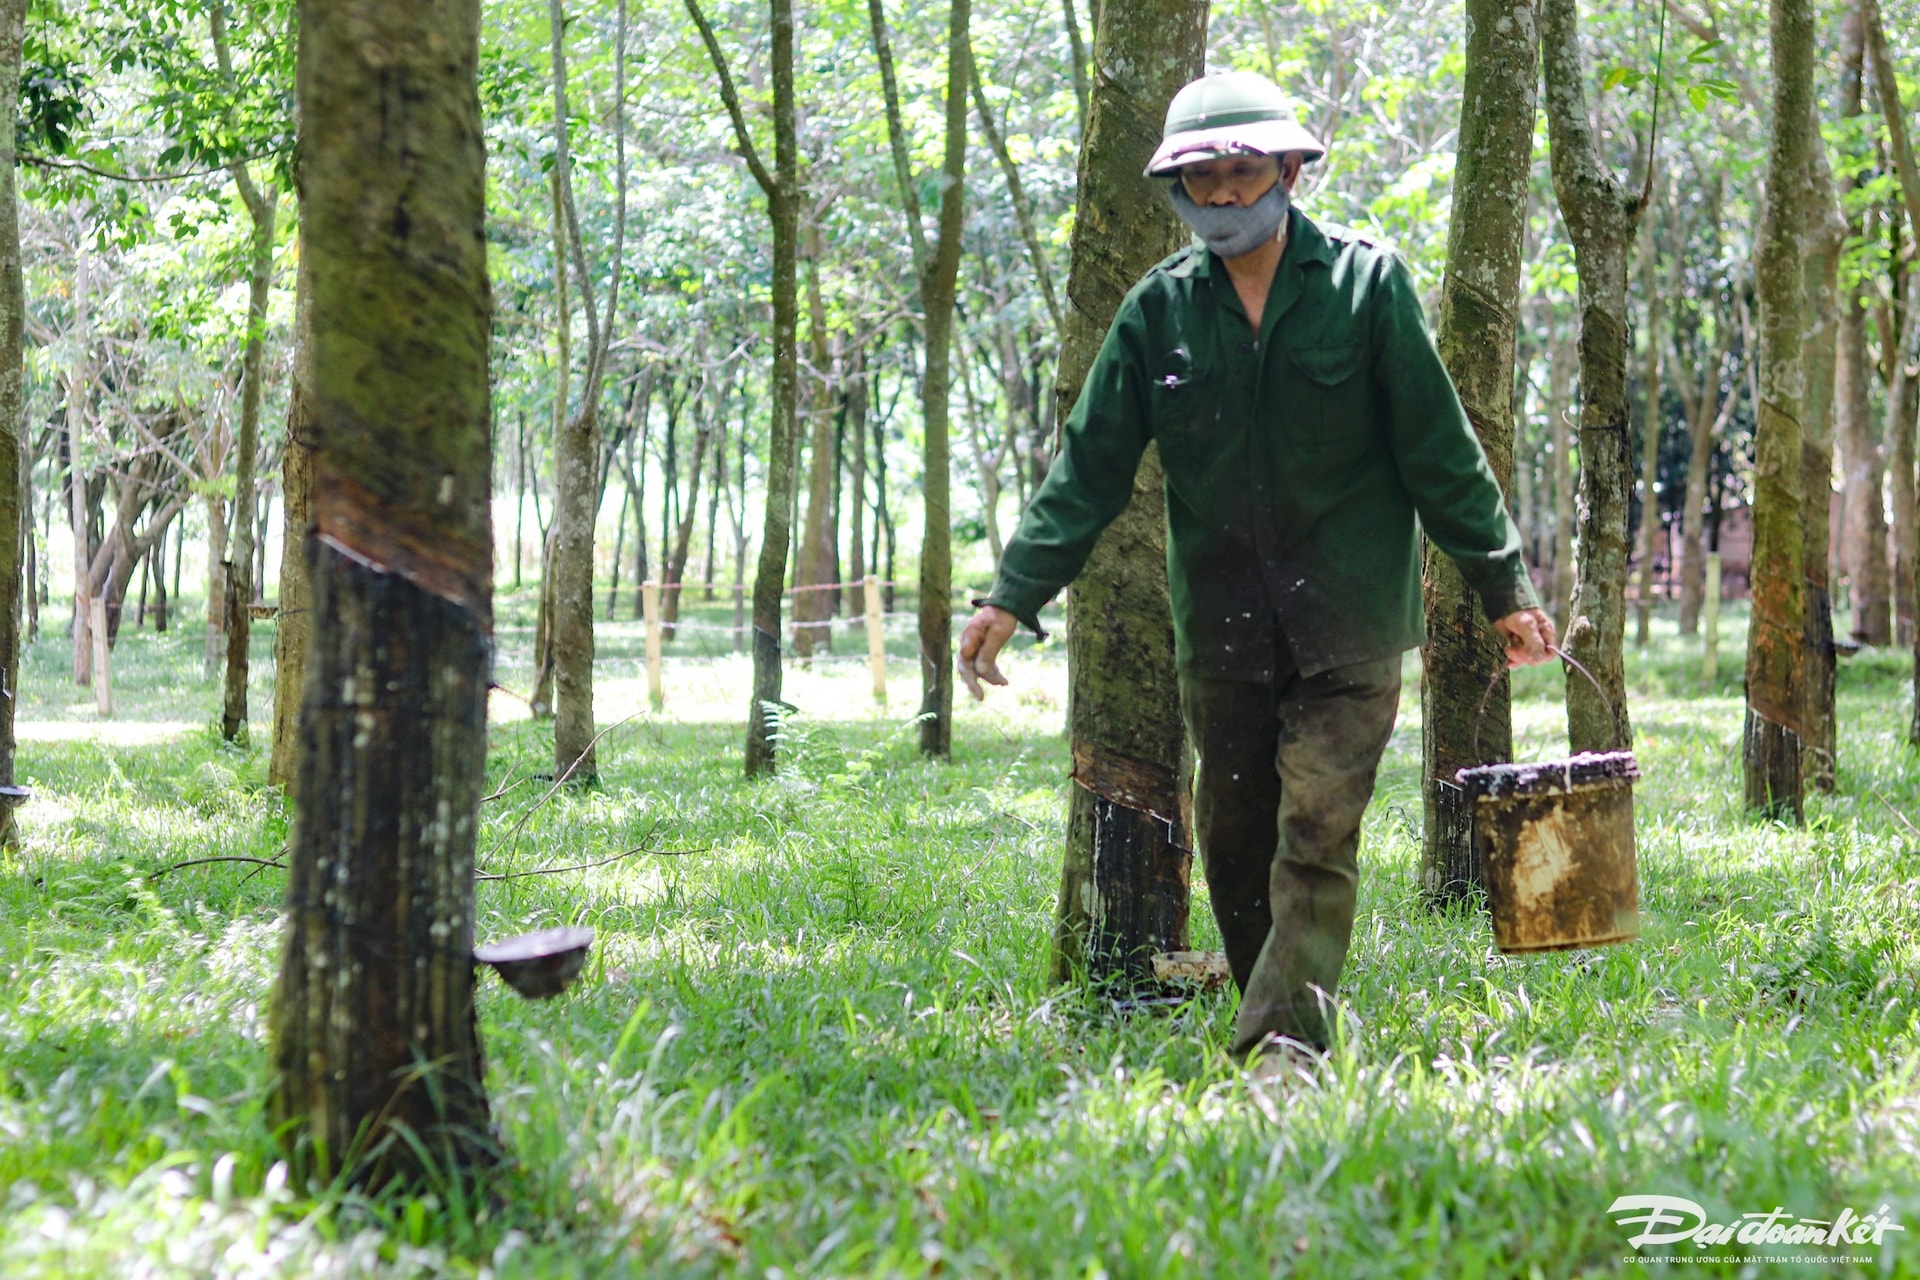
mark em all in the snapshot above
pixel 1305 423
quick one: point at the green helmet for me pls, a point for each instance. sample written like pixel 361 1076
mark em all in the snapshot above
pixel 1228 112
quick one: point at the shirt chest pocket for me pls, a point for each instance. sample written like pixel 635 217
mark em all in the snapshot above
pixel 1330 395
pixel 1184 402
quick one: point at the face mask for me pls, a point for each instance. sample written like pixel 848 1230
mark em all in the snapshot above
pixel 1230 230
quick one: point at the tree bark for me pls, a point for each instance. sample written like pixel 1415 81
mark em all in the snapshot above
pixel 217 543
pixel 709 569
pixel 295 623
pixel 1863 536
pixel 1901 400
pixel 1560 369
pixel 1600 215
pixel 857 568
pixel 31 555
pixel 1479 300
pixel 782 190
pixel 813 608
pixel 78 388
pixel 157 558
pixel 1776 725
pixel 1124 877
pixel 936 270
pixel 577 445
pixel 262 207
pixel 1823 236
pixel 14 526
pixel 376 1046
pixel 938 283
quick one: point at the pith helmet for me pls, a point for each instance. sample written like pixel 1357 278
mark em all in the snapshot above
pixel 1228 112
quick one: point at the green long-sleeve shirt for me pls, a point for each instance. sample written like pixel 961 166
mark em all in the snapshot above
pixel 1300 467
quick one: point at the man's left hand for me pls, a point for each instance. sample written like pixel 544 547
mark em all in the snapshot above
pixel 1528 634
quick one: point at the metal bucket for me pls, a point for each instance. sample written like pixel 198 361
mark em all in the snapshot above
pixel 1555 842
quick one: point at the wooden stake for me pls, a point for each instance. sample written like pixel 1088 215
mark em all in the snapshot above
pixel 876 638
pixel 656 695
pixel 102 676
pixel 1710 653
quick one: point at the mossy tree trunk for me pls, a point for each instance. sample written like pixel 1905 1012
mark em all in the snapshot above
pixel 1776 726
pixel 781 187
pixel 13 313
pixel 1124 877
pixel 376 1050
pixel 1600 215
pixel 1479 303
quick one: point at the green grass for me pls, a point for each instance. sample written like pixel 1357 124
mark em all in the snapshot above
pixel 815 1038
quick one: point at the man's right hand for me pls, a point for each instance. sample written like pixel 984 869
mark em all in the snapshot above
pixel 980 644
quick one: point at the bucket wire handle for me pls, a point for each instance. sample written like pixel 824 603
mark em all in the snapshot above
pixel 1494 683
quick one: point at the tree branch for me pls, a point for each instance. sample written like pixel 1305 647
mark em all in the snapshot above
pixel 1022 210
pixel 563 181
pixel 1887 89
pixel 731 97
pixel 897 138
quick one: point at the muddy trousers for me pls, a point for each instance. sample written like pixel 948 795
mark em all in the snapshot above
pixel 1283 772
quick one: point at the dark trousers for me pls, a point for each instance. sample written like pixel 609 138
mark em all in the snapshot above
pixel 1284 771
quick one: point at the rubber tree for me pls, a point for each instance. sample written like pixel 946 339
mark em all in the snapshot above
pixel 375 1050
pixel 295 620
pixel 13 315
pixel 781 186
pixel 1124 877
pixel 1823 236
pixel 1901 425
pixel 1479 306
pixel 1600 214
pixel 1864 523
pixel 262 212
pixel 576 447
pixel 813 609
pixel 1776 726
pixel 1900 443
pixel 936 271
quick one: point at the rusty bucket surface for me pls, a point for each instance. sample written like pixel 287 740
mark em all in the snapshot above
pixel 1555 842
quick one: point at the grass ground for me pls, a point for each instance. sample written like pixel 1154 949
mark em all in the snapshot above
pixel 815 1038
